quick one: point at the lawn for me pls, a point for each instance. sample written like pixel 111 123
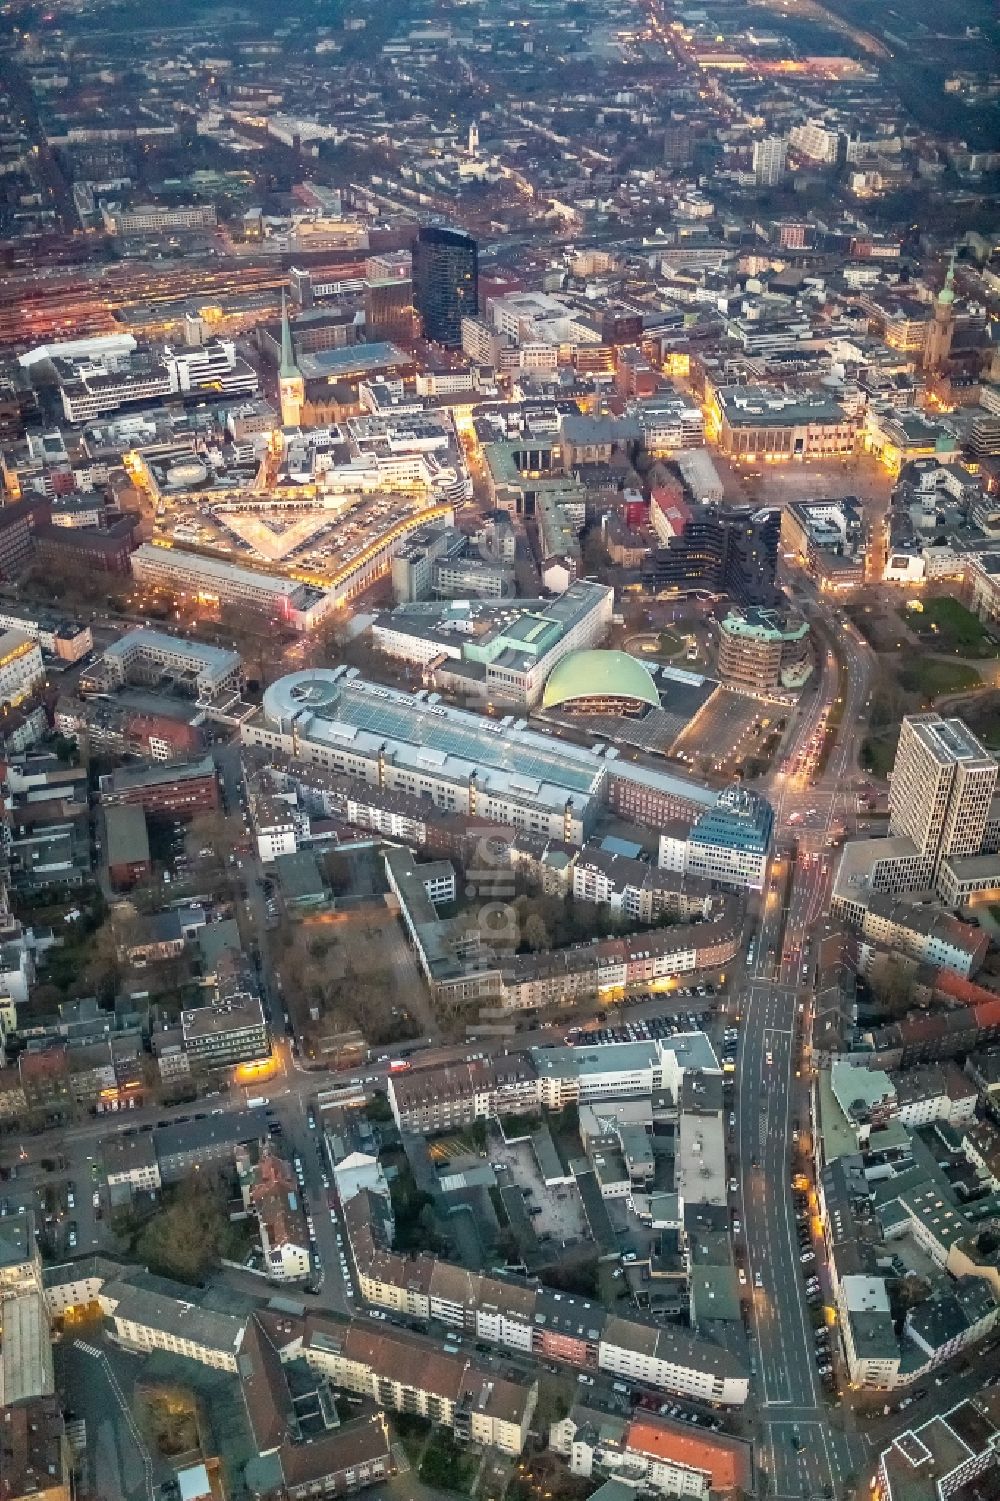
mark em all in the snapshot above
pixel 933 676
pixel 878 753
pixel 669 645
pixel 946 624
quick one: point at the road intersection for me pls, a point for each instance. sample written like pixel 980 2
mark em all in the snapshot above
pixel 803 1453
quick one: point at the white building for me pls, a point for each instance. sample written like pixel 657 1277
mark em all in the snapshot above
pixel 673 1359
pixel 769 160
pixel 21 667
pixel 816 140
pixel 144 1321
pixel 871 1346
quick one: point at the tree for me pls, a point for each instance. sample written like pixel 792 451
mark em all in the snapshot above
pixel 190 1234
pixel 891 987
pixel 536 934
pixel 378 1108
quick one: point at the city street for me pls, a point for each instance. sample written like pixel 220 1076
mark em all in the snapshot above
pixel 803 1453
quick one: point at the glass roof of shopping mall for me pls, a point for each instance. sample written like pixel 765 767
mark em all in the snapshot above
pixel 334 704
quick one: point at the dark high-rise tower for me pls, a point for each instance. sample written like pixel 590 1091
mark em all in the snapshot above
pixel 445 282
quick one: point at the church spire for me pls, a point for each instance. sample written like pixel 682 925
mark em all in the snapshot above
pixel 946 296
pixel 288 368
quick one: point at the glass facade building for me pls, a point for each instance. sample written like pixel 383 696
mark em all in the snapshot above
pixel 445 282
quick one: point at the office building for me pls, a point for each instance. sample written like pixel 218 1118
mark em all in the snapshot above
pixel 91 387
pixel 445 282
pixel 941 789
pixel 769 160
pixel 232 1027
pixel 90 549
pixel 21 667
pixel 504 650
pixel 764 651
pixel 127 845
pixel 19 521
pixel 829 539
pixel 731 842
pixel 955 1452
pixel 181 788
pixel 215 581
pixel 389 309
pixel 733 552
pixel 156 659
pixel 157 218
pixel 678 143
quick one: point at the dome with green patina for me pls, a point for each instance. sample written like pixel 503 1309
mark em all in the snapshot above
pixel 592 681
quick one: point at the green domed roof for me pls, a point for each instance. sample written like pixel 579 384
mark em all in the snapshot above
pixel 586 674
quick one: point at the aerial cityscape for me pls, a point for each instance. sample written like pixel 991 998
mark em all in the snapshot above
pixel 499 750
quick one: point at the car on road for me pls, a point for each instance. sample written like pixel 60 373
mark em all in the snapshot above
pixel 758 1280
pixel 71 1235
pixel 733 1186
pixel 737 1226
pixel 743 1277
pixel 769 1058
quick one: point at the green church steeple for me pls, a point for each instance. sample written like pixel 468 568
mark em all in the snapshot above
pixel 288 369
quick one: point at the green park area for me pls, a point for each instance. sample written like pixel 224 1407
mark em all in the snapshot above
pixel 945 625
pixel 933 676
pixel 669 644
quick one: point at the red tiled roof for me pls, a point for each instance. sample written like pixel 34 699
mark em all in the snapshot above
pixel 726 1461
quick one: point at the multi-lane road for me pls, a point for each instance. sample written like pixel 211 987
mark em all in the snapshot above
pixel 803 1453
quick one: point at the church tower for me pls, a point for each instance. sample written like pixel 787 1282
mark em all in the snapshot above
pixel 291 386
pixel 937 345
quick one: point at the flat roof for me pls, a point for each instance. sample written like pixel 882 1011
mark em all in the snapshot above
pixel 25 1350
pixel 127 835
pixel 333 708
pixel 215 660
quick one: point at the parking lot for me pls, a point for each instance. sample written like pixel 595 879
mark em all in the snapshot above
pixel 723 729
pixel 638 1028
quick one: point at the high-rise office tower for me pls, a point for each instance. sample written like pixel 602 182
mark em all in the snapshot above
pixel 445 282
pixel 943 782
pixel 678 143
pixel 769 160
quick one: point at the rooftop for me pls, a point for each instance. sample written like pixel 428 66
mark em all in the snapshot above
pixel 589 674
